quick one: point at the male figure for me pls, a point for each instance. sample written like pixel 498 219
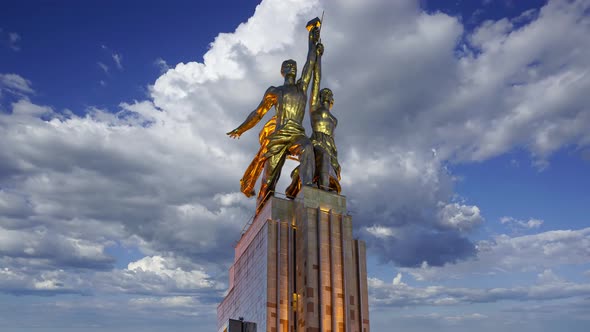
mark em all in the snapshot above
pixel 288 138
pixel 323 124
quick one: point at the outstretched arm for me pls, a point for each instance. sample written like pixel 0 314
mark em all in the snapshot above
pixel 314 36
pixel 314 99
pixel 269 99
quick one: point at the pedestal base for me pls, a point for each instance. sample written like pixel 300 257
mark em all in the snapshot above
pixel 297 268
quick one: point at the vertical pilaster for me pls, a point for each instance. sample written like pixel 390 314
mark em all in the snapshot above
pixel 352 280
pixel 319 266
pixel 326 271
pixel 272 272
pixel 364 293
pixel 311 277
pixel 278 262
pixel 291 278
pixel 338 289
pixel 346 258
pixel 331 246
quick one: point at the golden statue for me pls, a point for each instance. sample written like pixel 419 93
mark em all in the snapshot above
pixel 283 135
pixel 323 124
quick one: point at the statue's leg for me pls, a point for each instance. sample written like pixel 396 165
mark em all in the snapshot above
pixel 295 186
pixel 322 165
pixel 304 149
pixel 270 177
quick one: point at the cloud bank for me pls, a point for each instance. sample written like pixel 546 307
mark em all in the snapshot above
pixel 414 92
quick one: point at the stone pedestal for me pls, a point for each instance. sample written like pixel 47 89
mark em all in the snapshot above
pixel 297 268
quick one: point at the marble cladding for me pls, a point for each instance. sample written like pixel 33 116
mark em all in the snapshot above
pixel 297 268
pixel 247 297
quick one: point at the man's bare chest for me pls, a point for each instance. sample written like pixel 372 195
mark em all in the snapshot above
pixel 292 96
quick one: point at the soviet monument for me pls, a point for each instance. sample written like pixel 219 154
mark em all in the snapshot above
pixel 297 266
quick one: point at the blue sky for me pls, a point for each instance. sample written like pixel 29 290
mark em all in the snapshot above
pixel 64 41
pixel 464 140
